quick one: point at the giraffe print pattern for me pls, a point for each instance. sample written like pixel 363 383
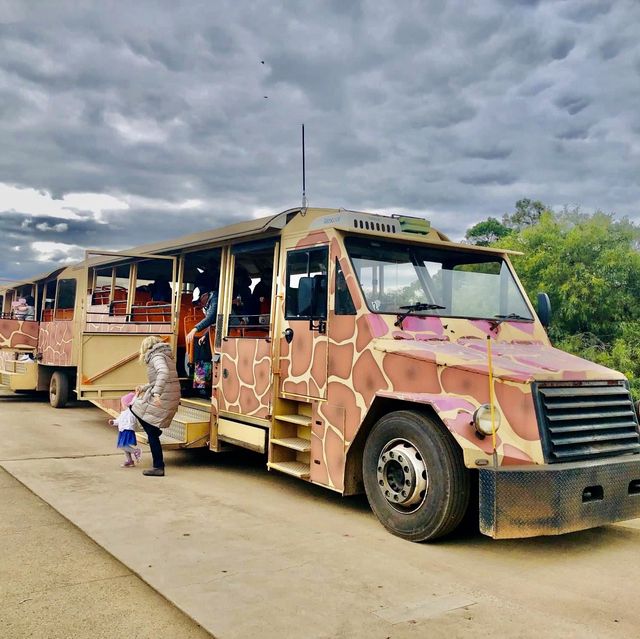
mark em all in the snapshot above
pixel 246 387
pixel 18 333
pixel 55 343
pixel 441 363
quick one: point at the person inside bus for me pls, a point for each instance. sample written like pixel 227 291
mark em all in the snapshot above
pixel 31 308
pixel 243 309
pixel 208 276
pixel 160 291
pixel 20 309
pixel 202 347
pixel 262 296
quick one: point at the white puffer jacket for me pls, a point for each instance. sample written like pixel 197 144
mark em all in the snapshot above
pixel 163 380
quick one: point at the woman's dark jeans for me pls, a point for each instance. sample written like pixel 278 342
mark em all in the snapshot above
pixel 153 435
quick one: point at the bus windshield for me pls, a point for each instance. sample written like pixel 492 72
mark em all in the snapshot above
pixel 435 281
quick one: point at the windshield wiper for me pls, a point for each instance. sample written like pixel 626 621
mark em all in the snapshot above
pixel 412 308
pixel 503 318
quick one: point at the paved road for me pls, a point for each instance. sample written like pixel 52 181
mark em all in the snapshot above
pixel 247 553
pixel 57 583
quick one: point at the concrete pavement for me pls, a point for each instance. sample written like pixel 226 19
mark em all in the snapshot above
pixel 247 553
pixel 55 583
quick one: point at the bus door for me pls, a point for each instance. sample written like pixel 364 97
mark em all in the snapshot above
pixel 242 373
pixel 304 342
pixel 119 310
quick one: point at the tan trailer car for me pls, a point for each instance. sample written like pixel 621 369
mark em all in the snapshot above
pixel 358 352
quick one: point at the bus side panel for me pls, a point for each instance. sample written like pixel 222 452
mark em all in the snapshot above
pixel 55 343
pixel 110 366
pixel 18 334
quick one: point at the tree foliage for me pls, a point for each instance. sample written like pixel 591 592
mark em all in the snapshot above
pixel 527 213
pixel 487 232
pixel 589 266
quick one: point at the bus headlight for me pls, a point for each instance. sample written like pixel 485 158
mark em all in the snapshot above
pixel 482 419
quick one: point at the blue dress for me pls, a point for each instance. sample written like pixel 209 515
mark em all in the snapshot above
pixel 126 438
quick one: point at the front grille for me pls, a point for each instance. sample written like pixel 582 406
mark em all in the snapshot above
pixel 586 422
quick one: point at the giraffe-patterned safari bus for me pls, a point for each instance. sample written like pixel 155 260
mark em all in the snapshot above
pixel 358 352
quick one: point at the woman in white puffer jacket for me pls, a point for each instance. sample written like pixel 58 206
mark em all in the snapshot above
pixel 157 402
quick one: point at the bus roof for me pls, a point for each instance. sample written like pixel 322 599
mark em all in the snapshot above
pixel 318 218
pixel 7 285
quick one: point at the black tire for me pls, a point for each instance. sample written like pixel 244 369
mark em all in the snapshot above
pixel 59 389
pixel 436 481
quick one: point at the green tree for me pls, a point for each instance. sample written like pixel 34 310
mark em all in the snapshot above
pixel 589 265
pixel 486 232
pixel 528 212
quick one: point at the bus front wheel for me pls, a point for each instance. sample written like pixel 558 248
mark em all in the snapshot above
pixel 414 476
pixel 59 389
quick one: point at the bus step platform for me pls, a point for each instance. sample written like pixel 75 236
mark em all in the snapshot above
pixel 297 469
pixel 295 443
pixel 190 428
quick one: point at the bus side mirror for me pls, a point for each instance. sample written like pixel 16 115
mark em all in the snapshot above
pixel 544 309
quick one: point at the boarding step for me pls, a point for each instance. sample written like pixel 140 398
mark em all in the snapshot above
pixel 167 442
pixel 296 443
pixel 190 428
pixel 301 420
pixel 199 404
pixel 297 469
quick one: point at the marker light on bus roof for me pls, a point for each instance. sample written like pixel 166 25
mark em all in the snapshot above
pixel 414 224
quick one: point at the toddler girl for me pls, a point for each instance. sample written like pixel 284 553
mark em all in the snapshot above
pixel 126 423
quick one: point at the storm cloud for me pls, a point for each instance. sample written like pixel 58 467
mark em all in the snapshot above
pixel 120 128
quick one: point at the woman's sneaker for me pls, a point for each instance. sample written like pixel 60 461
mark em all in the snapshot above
pixel 154 472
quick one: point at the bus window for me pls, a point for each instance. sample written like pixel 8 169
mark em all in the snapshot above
pixel 121 290
pixel 306 294
pixel 446 282
pixel 102 286
pixel 49 298
pixel 154 290
pixel 251 295
pixel 344 303
pixel 65 299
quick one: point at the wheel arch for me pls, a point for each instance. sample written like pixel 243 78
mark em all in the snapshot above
pixel 381 405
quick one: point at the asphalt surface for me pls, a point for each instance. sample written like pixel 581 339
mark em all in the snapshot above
pixel 250 553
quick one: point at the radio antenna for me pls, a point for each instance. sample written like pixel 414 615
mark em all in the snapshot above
pixel 304 181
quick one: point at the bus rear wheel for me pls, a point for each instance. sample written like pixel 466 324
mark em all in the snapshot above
pixel 59 389
pixel 414 476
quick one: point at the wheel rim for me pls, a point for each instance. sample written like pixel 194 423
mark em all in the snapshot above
pixel 402 475
pixel 53 391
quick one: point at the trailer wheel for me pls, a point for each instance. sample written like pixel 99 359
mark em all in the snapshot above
pixel 59 389
pixel 414 476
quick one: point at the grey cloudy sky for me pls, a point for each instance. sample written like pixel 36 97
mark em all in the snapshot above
pixel 127 123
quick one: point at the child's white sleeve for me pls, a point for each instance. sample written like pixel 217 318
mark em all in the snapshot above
pixel 128 420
